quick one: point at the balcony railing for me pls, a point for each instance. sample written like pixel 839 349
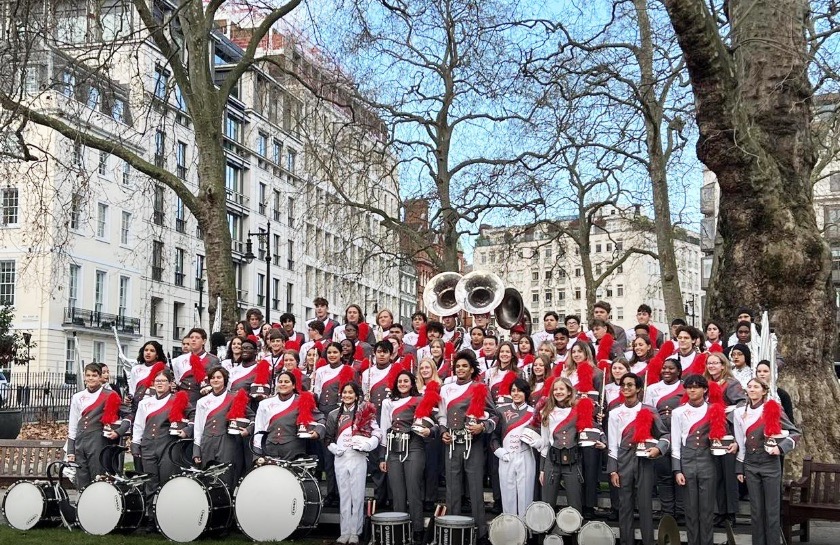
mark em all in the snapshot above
pixel 90 319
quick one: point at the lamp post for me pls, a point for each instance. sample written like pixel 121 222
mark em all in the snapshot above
pixel 249 257
pixel 689 309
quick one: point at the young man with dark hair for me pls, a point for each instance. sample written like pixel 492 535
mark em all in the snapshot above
pixel 254 317
pixel 601 311
pixel 405 353
pixel 418 319
pixel 476 341
pixel 450 323
pixel 183 365
pixel 376 385
pixel 361 349
pixel 643 316
pixel 316 340
pixel 322 314
pixel 572 322
pixel 691 361
pixel 287 321
pixel 550 322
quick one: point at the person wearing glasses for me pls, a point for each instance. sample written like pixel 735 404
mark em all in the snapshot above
pixel 634 427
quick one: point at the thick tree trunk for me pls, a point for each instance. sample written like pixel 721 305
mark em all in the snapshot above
pixel 754 114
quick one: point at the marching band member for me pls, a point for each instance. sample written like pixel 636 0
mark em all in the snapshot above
pixel 525 348
pixel 295 339
pixel 150 354
pixel 315 328
pixel 93 411
pixel 404 451
pixel 242 329
pixel 516 333
pixel 351 433
pixel 151 438
pixel 322 308
pixel 434 331
pixel 550 322
pixel 606 346
pixel 285 421
pixel 516 461
pixel 561 344
pixel 466 412
pixel 547 349
pixel 212 443
pixel 418 320
pixel 353 314
pixel 234 353
pixel 276 348
pixel 763 433
pixel 191 368
pixel 501 371
pixel 384 321
pixel 718 371
pixel 437 353
pixel 572 323
pixel 254 317
pixel 540 373
pixel 361 349
pixel 642 353
pixel 601 311
pixel 643 315
pixel 476 341
pixel 426 374
pixel 612 390
pixel 691 362
pixel 741 360
pixel 407 354
pixel 714 336
pixel 450 330
pixel 634 426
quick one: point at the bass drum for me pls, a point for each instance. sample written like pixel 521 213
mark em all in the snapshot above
pixel 190 506
pixel 596 533
pixel 31 504
pixel 106 508
pixel 286 495
pixel 508 530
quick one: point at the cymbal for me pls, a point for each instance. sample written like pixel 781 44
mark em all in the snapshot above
pixel 669 531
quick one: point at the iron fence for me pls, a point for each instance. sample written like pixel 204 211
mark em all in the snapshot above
pixel 47 398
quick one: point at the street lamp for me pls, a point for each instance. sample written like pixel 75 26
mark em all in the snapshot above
pixel 27 339
pixel 249 257
pixel 689 309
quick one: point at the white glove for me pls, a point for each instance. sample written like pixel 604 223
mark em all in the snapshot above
pixel 337 452
pixel 502 454
pixel 365 444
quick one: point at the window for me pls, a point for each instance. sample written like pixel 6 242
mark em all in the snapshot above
pixel 94 98
pixel 548 297
pixel 70 359
pixel 235 226
pixel 179 266
pixel 126 173
pixel 598 248
pixel 125 227
pixel 157 260
pixel 535 275
pixel 832 221
pixel 70 23
pixel 290 213
pixel 619 246
pixel 277 151
pixel 122 308
pixel 99 292
pixel 233 127
pixel 291 254
pixel 609 292
pixel 619 269
pixel 619 313
pixel 276 205
pixel 262 204
pixel 577 272
pixel 68 83
pixel 75 211
pixel 155 327
pixel 535 298
pixel 161 82
pixel 181 160
pixel 78 154
pixel 157 205
pixel 118 110
pixel 548 275
pixel 10 205
pixel 199 272
pixel 98 351
pixel 834 181
pixel 103 163
pixel 262 144
pixel 276 251
pixel 561 295
pixel 289 295
pixel 548 253
pixel 233 179
pixel 609 246
pixel 260 290
pixel 619 290
pixel 598 269
pixel 484 259
pixel 73 287
pixel 577 293
pixel 101 220
pixel 160 148
pixel 179 99
pixel 275 294
pixel 291 157
pixel 177 330
pixel 180 216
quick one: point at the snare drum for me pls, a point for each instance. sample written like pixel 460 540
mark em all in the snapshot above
pixel 596 533
pixel 569 520
pixel 454 530
pixel 287 495
pixel 110 507
pixel 553 539
pixel 189 506
pixel 508 530
pixel 539 517
pixel 390 529
pixel 30 504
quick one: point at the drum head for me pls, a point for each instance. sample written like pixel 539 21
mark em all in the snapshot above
pixel 539 517
pixel 553 539
pixel 596 533
pixel 269 503
pixel 508 530
pixel 391 516
pixel 100 508
pixel 23 505
pixel 454 521
pixel 182 509
pixel 569 520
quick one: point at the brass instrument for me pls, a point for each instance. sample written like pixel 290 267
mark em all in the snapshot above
pixel 511 310
pixel 479 292
pixel 439 294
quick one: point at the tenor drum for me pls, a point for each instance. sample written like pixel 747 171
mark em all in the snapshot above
pixel 596 533
pixel 569 520
pixel 508 530
pixel 30 504
pixel 454 530
pixel 110 507
pixel 539 517
pixel 190 506
pixel 275 501
pixel 553 539
pixel 390 528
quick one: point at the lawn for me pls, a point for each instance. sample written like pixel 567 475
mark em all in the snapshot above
pixel 8 536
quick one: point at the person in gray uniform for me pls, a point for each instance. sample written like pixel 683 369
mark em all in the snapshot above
pixel 87 435
pixel 692 460
pixel 462 431
pixel 634 427
pixel 276 428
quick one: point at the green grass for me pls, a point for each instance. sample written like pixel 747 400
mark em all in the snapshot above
pixel 9 536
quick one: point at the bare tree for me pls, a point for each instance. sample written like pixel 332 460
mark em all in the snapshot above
pixel 749 69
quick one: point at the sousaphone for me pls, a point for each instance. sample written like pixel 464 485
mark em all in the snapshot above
pixel 480 292
pixel 439 294
pixel 511 310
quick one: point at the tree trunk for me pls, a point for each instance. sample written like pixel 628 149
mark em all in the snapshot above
pixel 754 113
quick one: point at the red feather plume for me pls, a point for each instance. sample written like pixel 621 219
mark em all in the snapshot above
pixel 772 415
pixel 364 331
pixel 479 399
pixel 653 333
pixel 583 337
pixel 654 366
pixel 320 363
pixel 585 409
pixel 199 373
pixel 586 374
pixel 715 393
pixel 240 403
pixel 448 350
pixel 262 375
pixel 717 421
pixel 507 382
pixel 716 348
pixel 391 377
pixel 298 379
pixel 147 382
pixel 642 425
pixel 306 406
pixel 292 345
pixel 604 348
pixel 535 420
pixel 557 370
pixel 364 366
pixel 359 352
pixel 254 338
pixel 422 337
pixel 547 387
pixel 363 424
pixel 698 366
pixel 111 412
pixel 527 360
pixel 179 406
pixel 345 376
pixel 431 399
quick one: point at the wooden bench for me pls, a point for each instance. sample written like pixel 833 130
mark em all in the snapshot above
pixel 21 459
pixel 815 495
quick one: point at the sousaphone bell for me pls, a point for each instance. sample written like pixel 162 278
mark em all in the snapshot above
pixel 439 294
pixel 511 310
pixel 480 292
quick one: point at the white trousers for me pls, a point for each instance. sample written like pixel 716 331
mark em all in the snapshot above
pixel 350 474
pixel 516 479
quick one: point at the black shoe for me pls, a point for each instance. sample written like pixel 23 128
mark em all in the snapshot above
pixel 588 513
pixel 417 538
pixel 613 515
pixel 731 519
pixel 331 501
pixel 680 518
pixel 657 515
pixel 719 521
pixel 496 508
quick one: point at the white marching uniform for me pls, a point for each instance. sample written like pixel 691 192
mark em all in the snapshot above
pixel 517 466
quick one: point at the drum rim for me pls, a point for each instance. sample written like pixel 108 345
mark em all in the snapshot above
pixel 121 493
pixel 38 485
pixel 509 516
pixel 395 516
pixel 296 473
pixel 196 478
pixel 578 516
pixel 597 524
pixel 535 507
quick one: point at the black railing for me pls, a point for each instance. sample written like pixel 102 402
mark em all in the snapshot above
pixel 46 399
pixel 90 319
